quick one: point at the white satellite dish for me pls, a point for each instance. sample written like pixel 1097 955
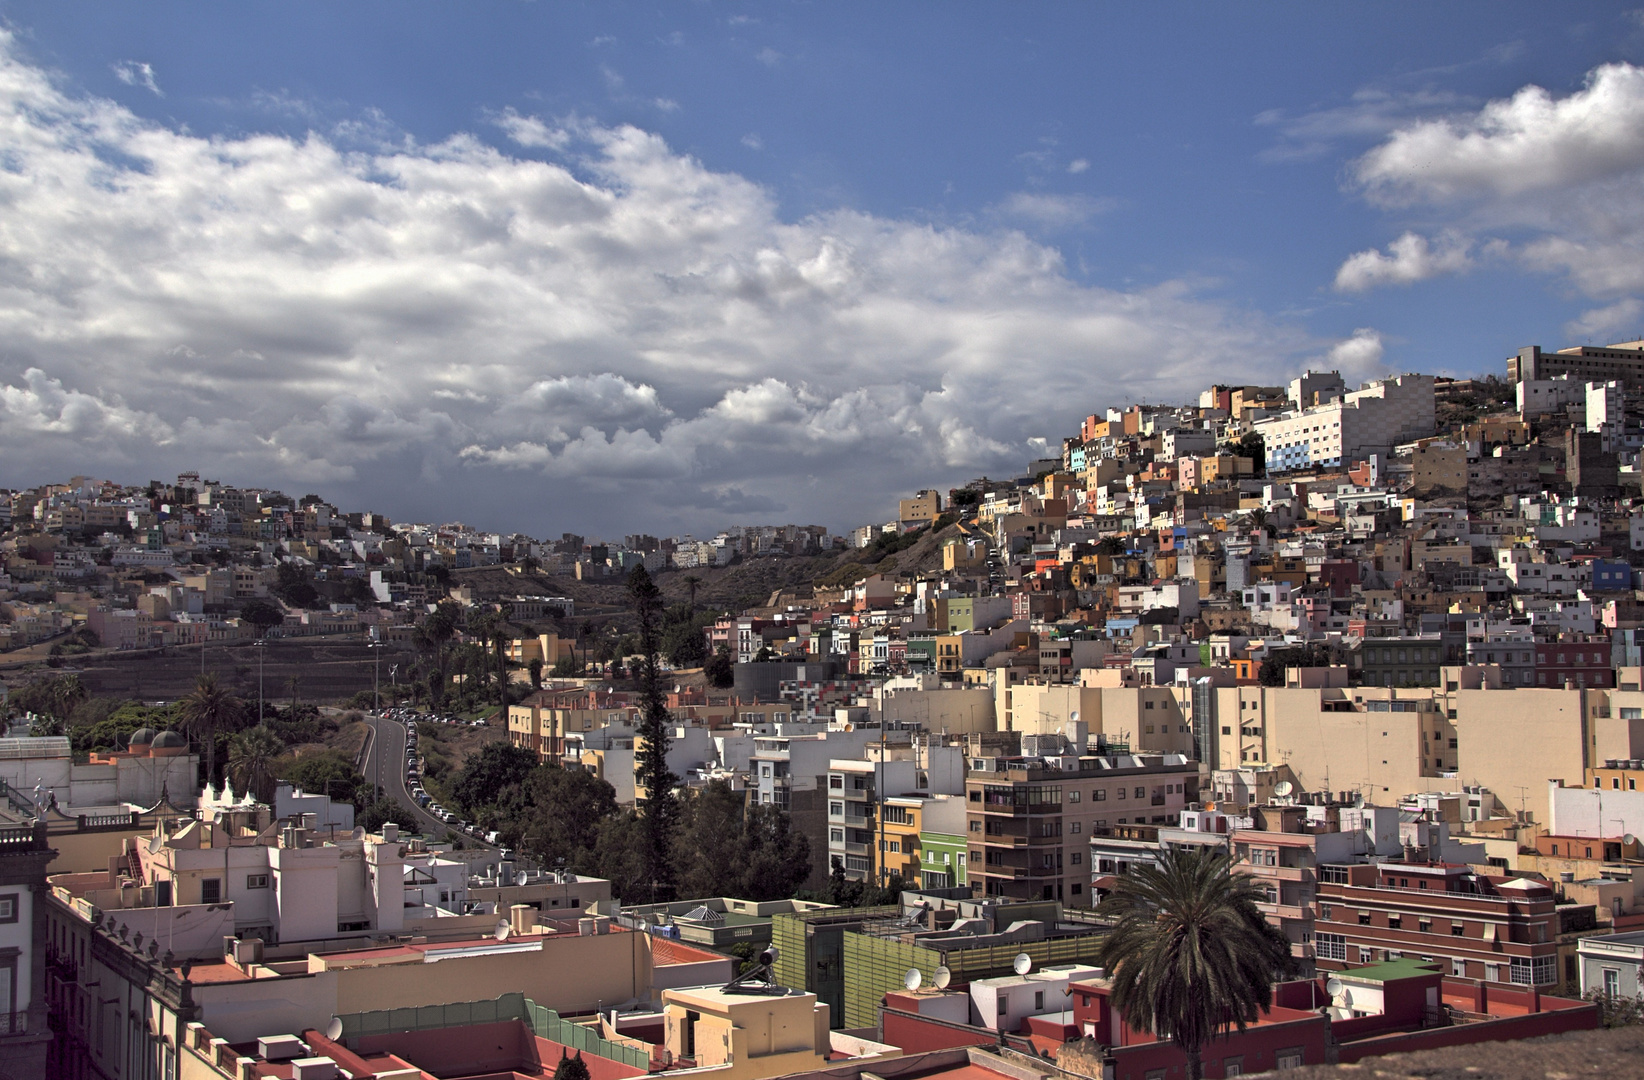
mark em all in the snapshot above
pixel 943 977
pixel 502 931
pixel 1629 839
pixel 913 979
pixel 1074 716
pixel 1022 964
pixel 521 877
pixel 1283 788
pixel 1332 986
pixel 333 1030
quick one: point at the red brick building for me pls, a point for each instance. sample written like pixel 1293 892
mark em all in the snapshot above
pixel 1497 930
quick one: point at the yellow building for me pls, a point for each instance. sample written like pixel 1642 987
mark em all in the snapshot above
pixel 920 510
pixel 746 1036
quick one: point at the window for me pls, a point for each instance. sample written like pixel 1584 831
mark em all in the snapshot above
pixel 1458 967
pixel 1458 929
pixel 1288 1058
pixel 1366 956
pixel 1364 918
pixel 1122 792
pixel 1101 796
pixel 1612 983
pixel 211 890
pixel 1075 796
pixel 836 836
pixel 1233 1066
pixel 1331 947
pixel 256 881
pixel 1075 858
pixel 1141 793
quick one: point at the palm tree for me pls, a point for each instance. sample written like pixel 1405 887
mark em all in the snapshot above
pixel 1190 953
pixel 691 582
pixel 207 710
pixel 251 757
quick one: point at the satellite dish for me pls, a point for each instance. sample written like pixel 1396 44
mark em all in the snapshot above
pixel 333 1030
pixel 1283 788
pixel 502 931
pixel 943 977
pixel 1332 986
pixel 1074 716
pixel 913 979
pixel 1022 964
pixel 1629 839
pixel 520 877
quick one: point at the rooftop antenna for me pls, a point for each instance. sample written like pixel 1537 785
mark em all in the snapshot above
pixel 1022 964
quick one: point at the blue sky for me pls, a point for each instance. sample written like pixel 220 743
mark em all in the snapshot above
pixel 609 267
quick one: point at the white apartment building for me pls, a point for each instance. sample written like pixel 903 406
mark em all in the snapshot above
pixel 1372 419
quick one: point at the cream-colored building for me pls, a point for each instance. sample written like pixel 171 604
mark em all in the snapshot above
pixel 746 1036
pixel 1386 743
pixel 1146 718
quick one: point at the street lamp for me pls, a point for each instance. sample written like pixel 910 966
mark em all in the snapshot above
pixel 376 706
pixel 261 645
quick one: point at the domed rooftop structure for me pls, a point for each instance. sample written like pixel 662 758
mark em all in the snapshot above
pixel 169 740
pixel 142 737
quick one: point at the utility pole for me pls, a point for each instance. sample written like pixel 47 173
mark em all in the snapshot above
pixel 262 647
pixel 879 796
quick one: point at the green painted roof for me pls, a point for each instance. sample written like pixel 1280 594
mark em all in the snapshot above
pixel 1390 971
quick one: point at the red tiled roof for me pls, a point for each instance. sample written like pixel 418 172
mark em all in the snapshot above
pixel 668 951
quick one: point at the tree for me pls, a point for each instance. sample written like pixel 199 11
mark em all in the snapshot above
pixel 776 858
pixel 1254 447
pixel 691 582
pixel 534 666
pixel 328 774
pixel 251 756
pixel 382 811
pixel 498 765
pixel 294 587
pixel 206 712
pixel 1273 667
pixel 720 669
pixel 1190 953
pixel 709 848
pixel 560 816
pixel 261 614
pixel 651 770
pixel 570 1068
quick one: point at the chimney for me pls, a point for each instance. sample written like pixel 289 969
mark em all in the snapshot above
pixel 390 832
pixel 521 918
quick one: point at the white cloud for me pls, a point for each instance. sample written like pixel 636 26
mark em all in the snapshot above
pixel 752 141
pixel 133 73
pixel 1359 357
pixel 529 131
pixel 667 105
pixel 619 338
pixel 1529 142
pixel 768 56
pixel 1077 166
pixel 1052 211
pixel 1618 319
pixel 1552 184
pixel 1409 259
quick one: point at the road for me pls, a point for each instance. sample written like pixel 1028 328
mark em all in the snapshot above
pixel 388 736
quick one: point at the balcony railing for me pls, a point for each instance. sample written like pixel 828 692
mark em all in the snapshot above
pixel 15 1023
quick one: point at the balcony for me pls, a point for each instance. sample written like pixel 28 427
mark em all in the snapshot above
pixel 1287 911
pixel 851 849
pixel 1302 951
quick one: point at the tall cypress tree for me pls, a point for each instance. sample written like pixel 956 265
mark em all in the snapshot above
pixel 661 816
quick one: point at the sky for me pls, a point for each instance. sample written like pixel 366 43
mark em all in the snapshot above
pixel 664 267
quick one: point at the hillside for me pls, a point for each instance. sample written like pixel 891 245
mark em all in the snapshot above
pixel 745 583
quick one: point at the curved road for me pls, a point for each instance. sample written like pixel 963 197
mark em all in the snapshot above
pixel 389 736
